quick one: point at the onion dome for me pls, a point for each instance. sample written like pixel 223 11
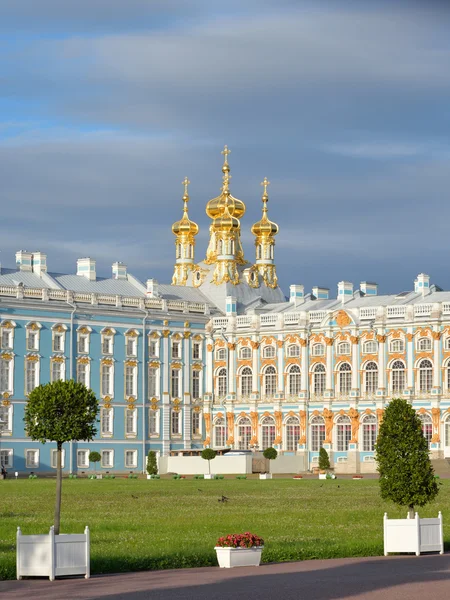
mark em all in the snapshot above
pixel 264 227
pixel 185 226
pixel 226 222
pixel 215 207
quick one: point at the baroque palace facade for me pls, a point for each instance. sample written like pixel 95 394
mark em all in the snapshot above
pixel 220 357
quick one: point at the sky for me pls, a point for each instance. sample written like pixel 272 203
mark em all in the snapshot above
pixel 106 105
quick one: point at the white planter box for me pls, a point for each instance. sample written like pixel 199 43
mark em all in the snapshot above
pixel 413 535
pixel 322 475
pixel 239 557
pixel 209 476
pixel 265 475
pixel 53 555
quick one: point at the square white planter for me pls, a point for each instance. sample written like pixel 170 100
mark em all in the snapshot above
pixel 209 476
pixel 52 555
pixel 239 557
pixel 413 535
pixel 265 475
pixel 322 475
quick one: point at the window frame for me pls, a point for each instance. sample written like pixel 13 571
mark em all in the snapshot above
pixel 102 462
pixel 269 351
pixel 9 453
pixel 106 432
pixel 36 452
pixel 134 422
pixel 134 453
pixel 53 458
pixel 84 465
pixel 318 349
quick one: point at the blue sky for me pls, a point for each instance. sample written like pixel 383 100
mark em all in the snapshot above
pixel 106 106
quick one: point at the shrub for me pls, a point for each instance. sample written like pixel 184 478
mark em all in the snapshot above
pixel 240 540
pixel 324 460
pixel 152 466
pixel 270 453
pixel 208 454
pixel 94 457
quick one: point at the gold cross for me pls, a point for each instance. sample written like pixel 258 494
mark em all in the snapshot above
pixel 185 182
pixel 226 152
pixel 265 183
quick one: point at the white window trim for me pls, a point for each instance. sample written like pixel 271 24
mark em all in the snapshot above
pixel 157 382
pixel 241 351
pixel 265 350
pixel 10 389
pixel 8 427
pixel 63 368
pixel 219 352
pixel 134 382
pixel 38 338
pixel 180 423
pixel 109 393
pixel 53 459
pixel 10 332
pixel 86 464
pixel 110 432
pixel 133 433
pixel 296 349
pixel 10 455
pixel 198 435
pixel 135 455
pixel 180 383
pixel 315 349
pixel 200 349
pixel 418 349
pixel 36 373
pixel 365 351
pixel 151 338
pixel 37 453
pixel 88 373
pixel 157 423
pixel 134 339
pixel 110 466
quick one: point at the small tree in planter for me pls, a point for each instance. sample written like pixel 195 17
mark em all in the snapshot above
pixel 209 454
pixel 324 460
pixel 152 466
pixel 95 458
pixel 270 454
pixel 406 473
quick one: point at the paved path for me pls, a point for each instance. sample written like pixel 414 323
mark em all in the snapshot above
pixel 390 578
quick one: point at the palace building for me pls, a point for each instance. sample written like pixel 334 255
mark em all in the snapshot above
pixel 220 357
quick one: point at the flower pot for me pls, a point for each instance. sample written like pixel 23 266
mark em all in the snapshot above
pixel 299 477
pixel 209 476
pixel 265 475
pixel 238 557
pixel 413 535
pixel 322 475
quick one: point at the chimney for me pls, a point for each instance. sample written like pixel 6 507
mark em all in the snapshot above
pixel 24 260
pixel 230 306
pixel 368 288
pixel 320 293
pixel 345 291
pixel 152 288
pixel 86 268
pixel 39 263
pixel 119 270
pixel 422 284
pixel 296 294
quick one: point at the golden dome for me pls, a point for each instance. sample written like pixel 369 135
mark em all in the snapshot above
pixel 226 222
pixel 185 226
pixel 216 207
pixel 264 227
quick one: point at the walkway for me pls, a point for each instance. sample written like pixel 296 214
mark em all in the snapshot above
pixel 390 578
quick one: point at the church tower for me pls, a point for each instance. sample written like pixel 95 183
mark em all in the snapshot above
pixel 185 231
pixel 265 232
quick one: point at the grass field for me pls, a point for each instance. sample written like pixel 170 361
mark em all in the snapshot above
pixel 140 524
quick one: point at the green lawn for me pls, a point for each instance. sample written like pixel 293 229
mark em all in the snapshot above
pixel 140 524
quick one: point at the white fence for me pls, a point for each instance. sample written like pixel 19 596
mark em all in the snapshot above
pixel 413 535
pixel 53 555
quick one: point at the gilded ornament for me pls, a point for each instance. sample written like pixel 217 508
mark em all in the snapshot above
pixel 436 335
pixel 107 399
pixel 280 343
pixel 303 342
pixel 6 356
pixel 254 345
pixel 166 333
pixel 187 335
pixel 354 416
pixel 328 341
pixel 409 337
pixel 107 361
pixel 381 339
pixel 83 330
pixel 7 325
pixel 34 326
pixel 83 360
pixel 6 395
pixel 187 324
pixel 209 347
pixel 231 346
pixel 6 402
pixel 154 364
pixel 328 416
pixel 131 333
pixel 57 359
pixel 380 415
pixel 176 365
pixel 342 319
pixel 131 363
pixel 32 358
pixel 197 367
pixel 354 339
pixel 107 332
pixel 59 328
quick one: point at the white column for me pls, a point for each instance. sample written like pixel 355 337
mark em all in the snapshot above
pixel 355 363
pixel 187 364
pixel 209 366
pixel 381 362
pixel 329 374
pixel 437 359
pixel 165 365
pixel 305 366
pixel 231 371
pixel 255 367
pixel 280 357
pixel 165 394
pixel 187 415
pixel 410 361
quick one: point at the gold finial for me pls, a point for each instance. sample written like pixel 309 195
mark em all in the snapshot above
pixel 265 183
pixel 226 152
pixel 186 183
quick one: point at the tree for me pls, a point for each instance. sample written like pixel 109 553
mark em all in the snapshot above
pixel 152 466
pixel 95 457
pixel 270 453
pixel 324 460
pixel 406 474
pixel 209 454
pixel 61 411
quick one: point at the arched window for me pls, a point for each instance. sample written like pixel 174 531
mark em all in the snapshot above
pixel 245 353
pixel 448 375
pixel 343 433
pixel 318 350
pixel 425 376
pixel 345 378
pixel 397 346
pixel 369 432
pixel 447 433
pixel 319 379
pixel 267 432
pixel 370 347
pixel 317 436
pixel 220 433
pixel 292 433
pixel 343 348
pixel 222 383
pixel 371 377
pixel 427 426
pixel 398 376
pixel 246 381
pixel 294 380
pixel 244 433
pixel 293 351
pixel 270 381
pixel 221 354
pixel 269 352
pixel 424 344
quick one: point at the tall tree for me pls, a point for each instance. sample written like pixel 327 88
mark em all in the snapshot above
pixel 61 411
pixel 406 474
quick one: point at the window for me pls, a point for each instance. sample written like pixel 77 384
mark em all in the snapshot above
pixel 5 375
pixel 7 339
pixel 293 351
pixel 131 346
pixel 175 382
pixel 83 459
pixel 447 343
pixel 244 433
pixel 427 426
pixel 31 375
pixel 107 344
pixel 152 382
pixel 267 432
pixel 31 459
pixel 6 458
pixel 343 433
pixel 370 347
pixel 196 350
pixel 153 422
pixel 317 433
pixel 32 339
pixel 424 345
pixel 196 423
pixel 343 348
pixel 222 383
pixel 58 342
pixel 220 433
pixel 107 459
pixel 397 346
pixel 130 459
pixel 318 350
pixel 269 352
pixel 130 380
pixel 371 377
pixel 270 381
pixel 448 376
pixel 176 350
pixel 57 370
pixel 221 354
pixel 83 372
pixel 175 422
pixel 425 376
pixel 245 353
pixel 83 343
pixel 398 376
pixel 107 380
pixel 319 379
pixel 292 433
pixel 195 384
pixel 106 420
pixel 345 378
pixel 294 380
pixel 54 458
pixel 131 422
pixel 246 381
pixel 153 348
pixel 5 419
pixel 369 431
